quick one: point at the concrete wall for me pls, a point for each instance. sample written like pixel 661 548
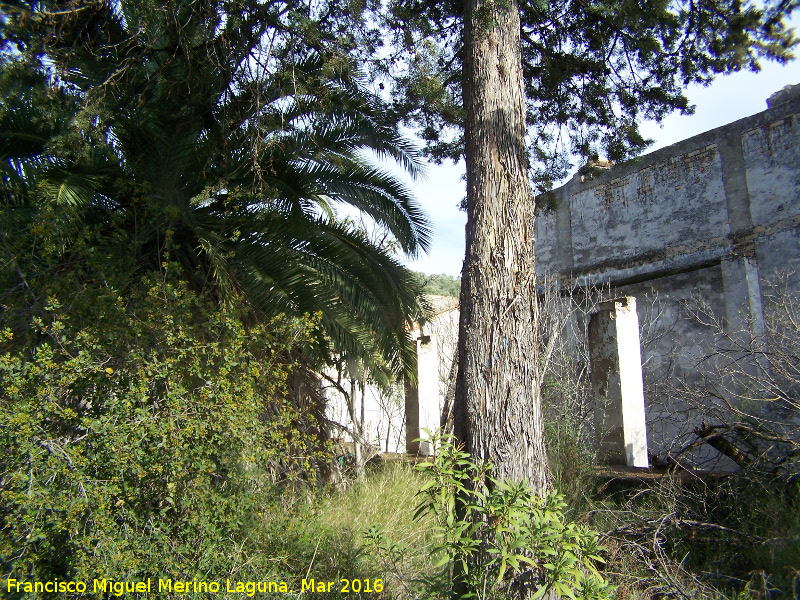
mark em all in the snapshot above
pixel 432 395
pixel 383 413
pixel 394 419
pixel 714 216
pixel 693 202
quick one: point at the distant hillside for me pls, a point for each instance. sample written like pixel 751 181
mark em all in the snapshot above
pixel 440 285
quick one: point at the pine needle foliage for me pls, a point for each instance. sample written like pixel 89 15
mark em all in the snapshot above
pixel 592 69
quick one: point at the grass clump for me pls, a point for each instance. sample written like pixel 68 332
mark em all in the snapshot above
pixel 321 535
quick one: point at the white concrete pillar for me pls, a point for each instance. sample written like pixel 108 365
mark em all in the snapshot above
pixel 422 400
pixel 617 384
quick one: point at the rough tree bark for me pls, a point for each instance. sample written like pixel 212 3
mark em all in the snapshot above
pixel 497 411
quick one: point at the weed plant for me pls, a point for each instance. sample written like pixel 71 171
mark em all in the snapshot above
pixel 497 539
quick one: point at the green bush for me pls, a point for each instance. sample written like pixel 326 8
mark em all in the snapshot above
pixel 499 539
pixel 135 435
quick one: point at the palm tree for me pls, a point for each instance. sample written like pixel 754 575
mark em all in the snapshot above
pixel 190 144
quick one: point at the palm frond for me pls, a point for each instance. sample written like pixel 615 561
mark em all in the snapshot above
pixel 237 178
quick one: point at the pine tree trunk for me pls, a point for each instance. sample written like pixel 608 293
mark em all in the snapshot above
pixel 497 411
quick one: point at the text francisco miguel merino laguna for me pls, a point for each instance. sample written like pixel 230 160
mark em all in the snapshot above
pixel 118 588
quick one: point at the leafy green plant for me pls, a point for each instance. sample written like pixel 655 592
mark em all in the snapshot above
pixel 499 538
pixel 136 436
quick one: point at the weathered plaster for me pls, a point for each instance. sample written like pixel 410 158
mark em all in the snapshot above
pixel 712 218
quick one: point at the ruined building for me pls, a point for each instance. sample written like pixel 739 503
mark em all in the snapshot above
pixel 712 221
pixel 714 218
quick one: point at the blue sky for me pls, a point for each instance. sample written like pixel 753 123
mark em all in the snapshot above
pixel 727 99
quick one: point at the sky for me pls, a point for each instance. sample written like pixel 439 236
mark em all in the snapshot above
pixel 727 99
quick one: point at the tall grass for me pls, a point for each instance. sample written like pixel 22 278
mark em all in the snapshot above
pixel 321 536
pixel 384 498
pixel 654 548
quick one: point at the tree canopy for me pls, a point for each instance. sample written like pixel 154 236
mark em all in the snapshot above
pixel 592 69
pixel 439 284
pixel 220 135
